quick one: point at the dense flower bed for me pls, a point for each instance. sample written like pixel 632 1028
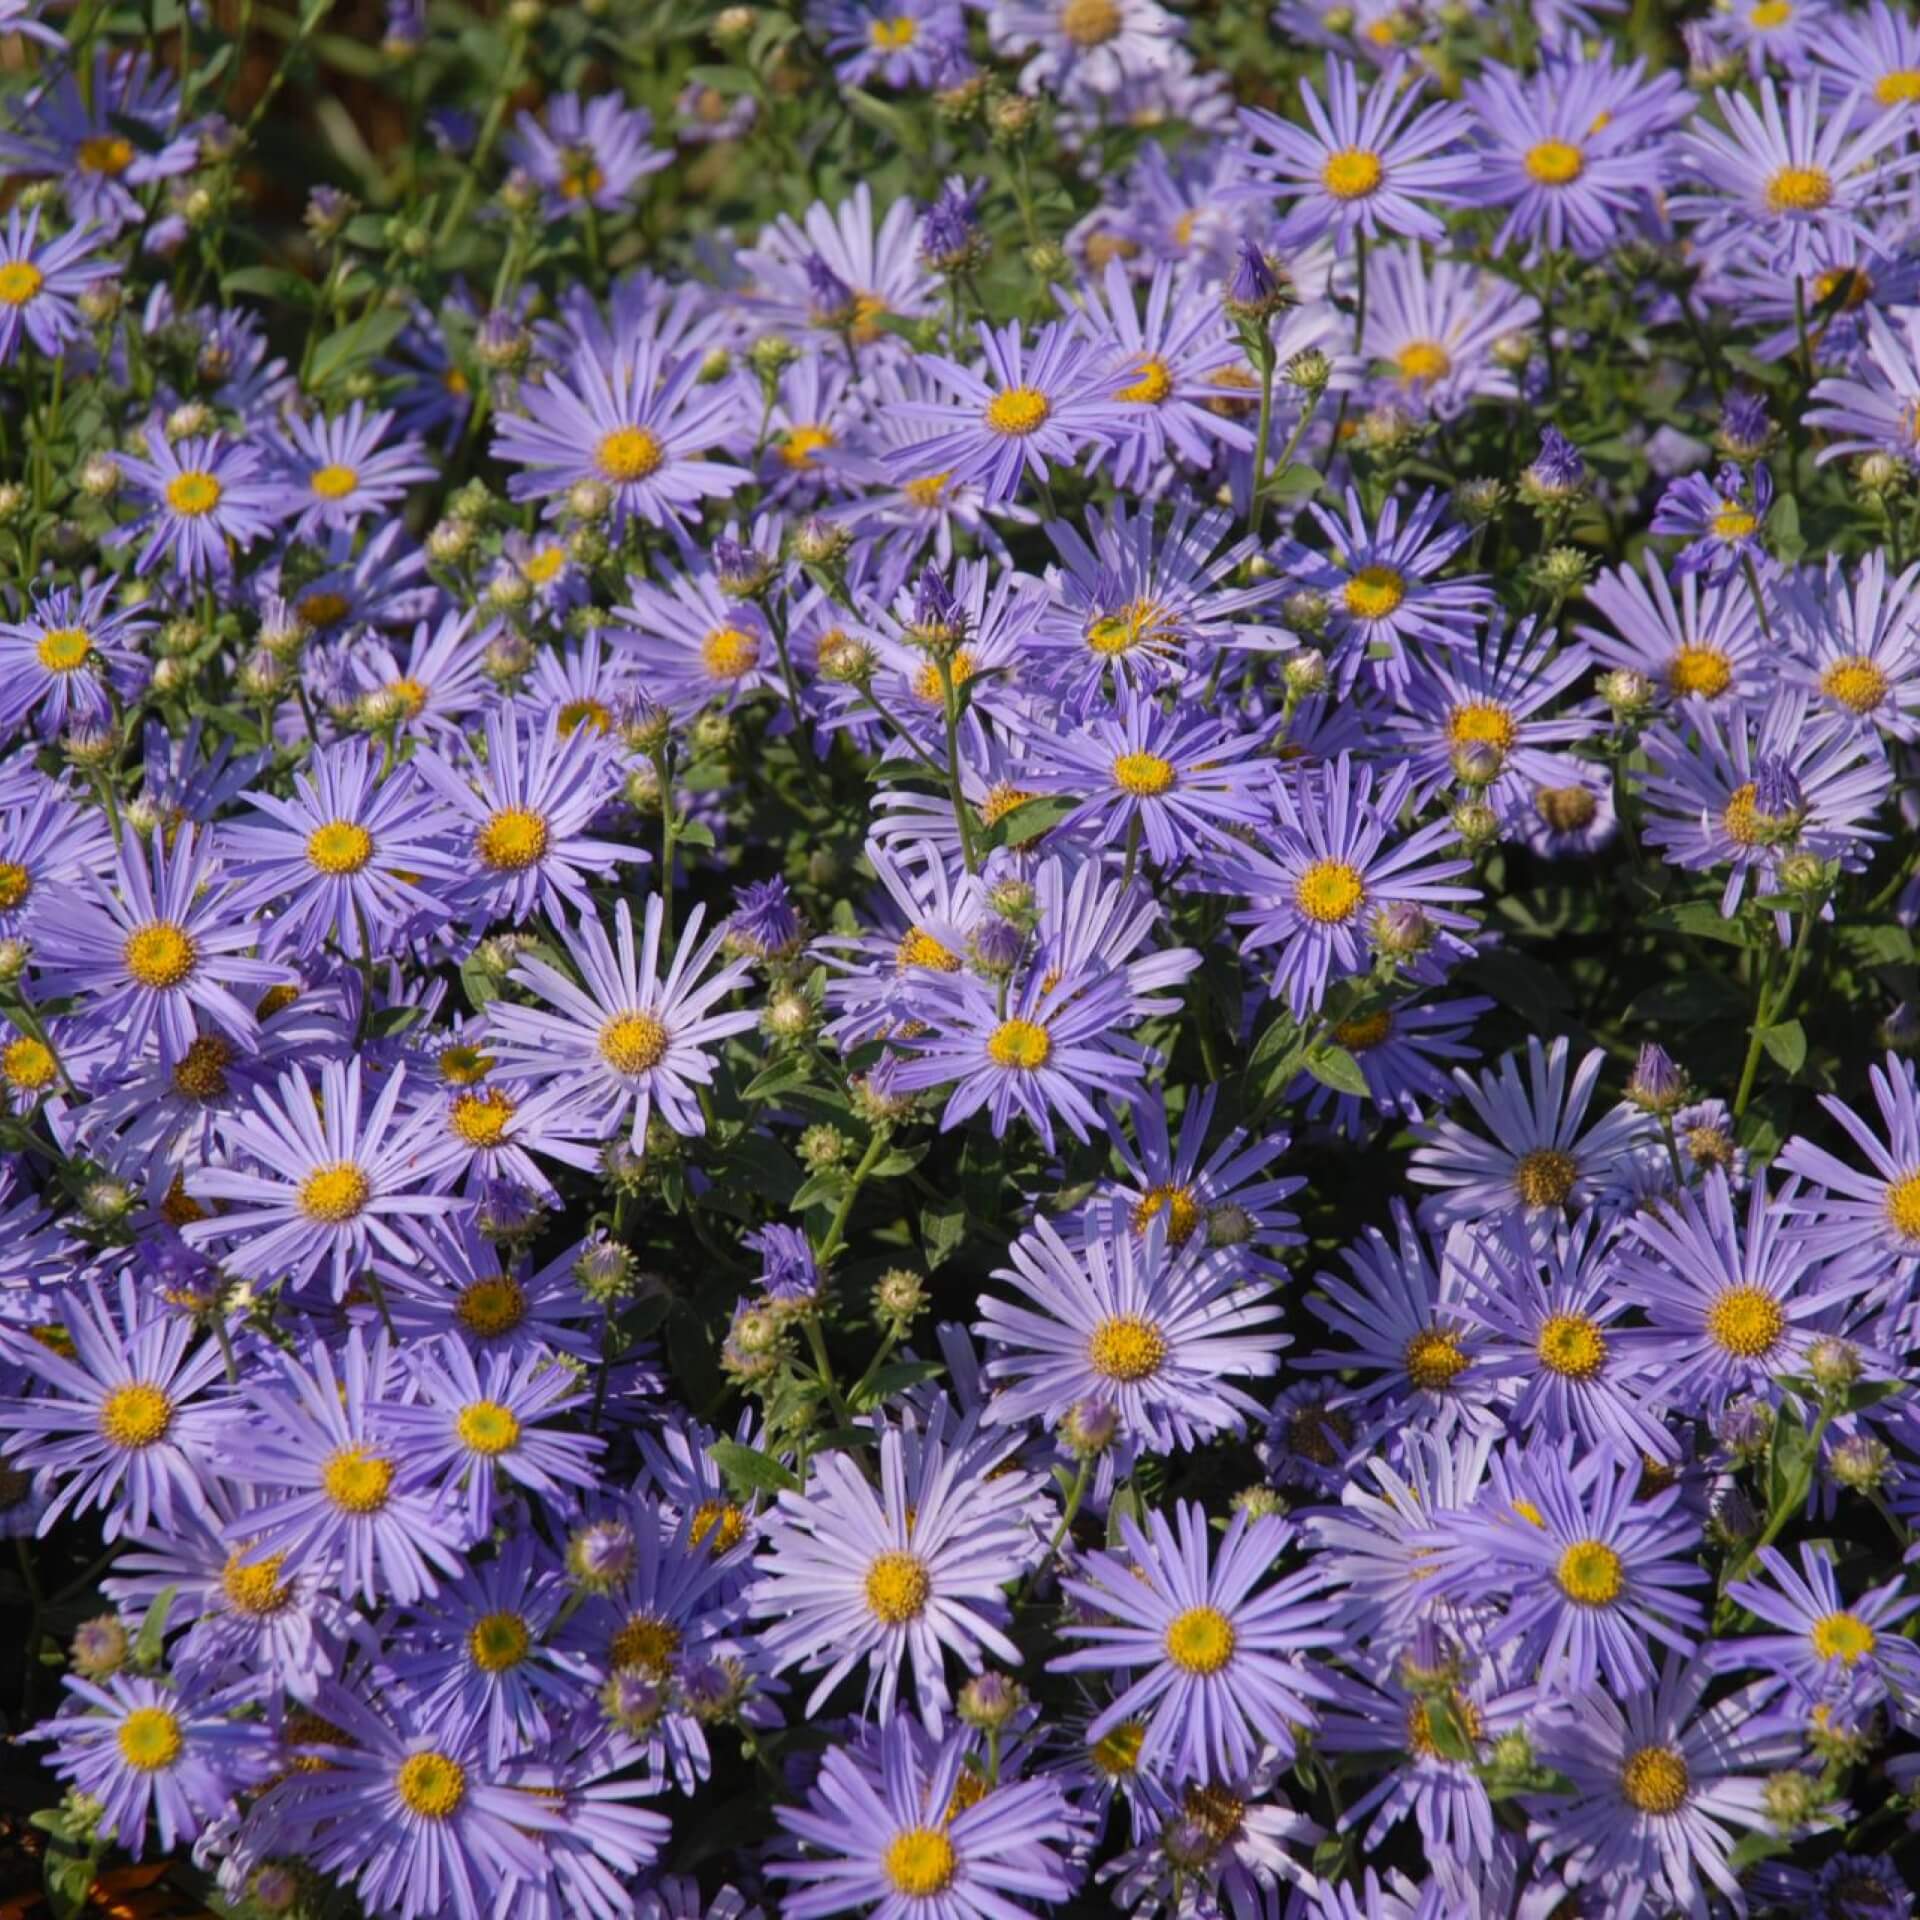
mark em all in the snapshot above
pixel 957 959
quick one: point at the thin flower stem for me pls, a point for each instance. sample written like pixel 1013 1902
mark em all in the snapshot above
pixel 1765 1014
pixel 962 814
pixel 1075 1495
pixel 1759 599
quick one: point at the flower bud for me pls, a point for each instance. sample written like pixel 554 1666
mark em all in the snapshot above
pixel 604 1272
pixel 989 1701
pixel 1626 690
pixel 1656 1085
pixel 600 1555
pixel 100 1647
pixel 1305 673
pixel 1090 1427
pixel 1308 371
pixel 1859 1462
pixel 899 1296
pixel 1476 823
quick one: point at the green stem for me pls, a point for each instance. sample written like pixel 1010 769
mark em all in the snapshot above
pixel 1075 1495
pixel 510 76
pixel 1759 599
pixel 669 832
pixel 1768 1008
pixel 962 814
pixel 1257 500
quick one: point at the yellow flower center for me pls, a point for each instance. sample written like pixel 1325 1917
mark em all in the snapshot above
pixel 1545 1177
pixel 490 1308
pixel 1856 280
pixel 1799 190
pixel 1018 412
pixel 1199 1640
pixel 135 1415
pixel 160 954
pixel 927 491
pixel 193 492
pixel 1351 173
pixel 202 1071
pixel 889 36
pixel 1117 1754
pixel 20 281
pixel 1433 1359
pixel 1090 23
pixel 1143 773
pixel 1571 1345
pixel 1021 1044
pixel 576 714
pixel 1553 163
pixel 28 1064
pixel 929 691
pixel 1364 1031
pixel 1216 1812
pixel 1903 1206
pixel 1374 592
pixel 254 1587
pixel 357 1481
pixel 918 948
pixel 633 1042
pixel 729 654
pixel 16 883
pixel 1152 384
pixel 106 153
pixel 919 1861
pixel 335 1194
pixel 1180 1207
pixel 64 649
pixel 1733 521
pixel 581 181
pixel 412 695
pixel 1139 623
pixel 341 846
pixel 464 1066
pixel 1565 809
pixel 512 840
pixel 333 482
pixel 898 1588
pixel 1745 1322
pixel 1590 1574
pixel 1482 724
pixel 497 1642
pixel 799 444
pixel 1654 1780
pixel 1001 801
pixel 1423 360
pixel 487 1427
pixel 480 1119
pixel 1842 1636
pixel 1702 670
pixel 1329 892
pixel 431 1784
pixel 1770 14
pixel 1126 1347
pixel 720 1519
pixel 150 1739
pixel 1857 684
pixel 1899 87
pixel 629 453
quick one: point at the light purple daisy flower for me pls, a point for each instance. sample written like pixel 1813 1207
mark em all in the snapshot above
pixel 591 153
pixel 1875 406
pixel 1436 325
pixel 1877 1205
pixel 1219 1659
pixel 344 471
pixel 65 661
pixel 1858 643
pixel 38 282
pixel 205 499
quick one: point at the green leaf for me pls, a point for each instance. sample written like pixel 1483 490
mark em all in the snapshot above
pixel 818 1189
pixel 693 833
pixel 884 118
pixel 270 283
pixel 1751 1848
pixel 1787 1044
pixel 794 1071
pixel 1703 919
pixel 1790 1462
pixel 1335 1067
pixel 1029 820
pixel 748 1470
pixel 478 984
pixel 728 80
pixel 1298 481
pixel 1125 1505
pixel 1447 1729
pixel 341 351
pixel 897 1377
pixel 943 1229
pixel 149 1646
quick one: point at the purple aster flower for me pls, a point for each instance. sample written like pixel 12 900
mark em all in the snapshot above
pixel 38 282
pixel 1733 1302
pixel 899 43
pixel 1693 638
pixel 439 682
pixel 1215 1661
pixel 1020 407
pixel 950 233
pixel 349 858
pixel 1878 1205
pixel 1591 1572
pixel 879 267
pixel 411 1816
pixel 314 1183
pixel 1085 50
pixel 154 944
pixel 1748 790
pixel 1721 520
pixel 63 664
pixel 692 644
pixel 1436 324
pixel 1050 1049
pixel 344 472
pixel 114 1426
pixel 1143 773
pixel 1325 868
pixel 1152 1332
pixel 337 1476
pixel 766 921
pixel 788 1271
pixel 591 153
pixel 1875 407
pixel 1858 643
pixel 1786 181
pixel 1535 1157
pixel 915 1833
pixel 146 1751
pixel 205 499
pixel 1382 588
pixel 1876 47
pixel 1828 1649
pixel 1404 1052
pixel 640 425
pixel 624 1038
pixel 849 1574
pixel 1363 166
pixel 1661 1787
pixel 525 809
